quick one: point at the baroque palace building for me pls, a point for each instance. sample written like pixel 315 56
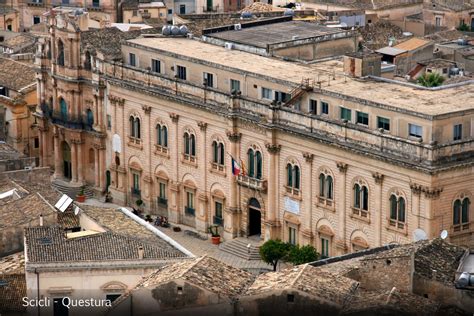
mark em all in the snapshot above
pixel 333 155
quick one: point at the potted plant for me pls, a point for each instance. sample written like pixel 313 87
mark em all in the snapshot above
pixel 81 197
pixel 215 237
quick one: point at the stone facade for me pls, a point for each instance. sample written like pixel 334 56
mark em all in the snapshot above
pixel 185 179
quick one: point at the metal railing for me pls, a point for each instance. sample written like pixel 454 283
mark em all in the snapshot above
pixel 66 120
pixel 189 211
pixel 218 221
pixel 162 201
pixel 136 192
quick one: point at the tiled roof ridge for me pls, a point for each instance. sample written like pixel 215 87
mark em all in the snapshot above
pixel 18 185
pixel 192 265
pixel 45 201
pixel 293 283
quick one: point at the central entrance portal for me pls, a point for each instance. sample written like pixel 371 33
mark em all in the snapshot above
pixel 254 217
pixel 67 168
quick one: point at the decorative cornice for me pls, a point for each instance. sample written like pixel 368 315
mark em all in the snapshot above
pixel 378 177
pixel 430 193
pixel 309 157
pixel 77 141
pixel 202 125
pixel 273 148
pixel 174 117
pixel 234 137
pixel 146 109
pixel 342 166
pixel 116 100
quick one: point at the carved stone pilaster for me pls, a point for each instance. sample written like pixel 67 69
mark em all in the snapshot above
pixel 174 117
pixel 234 137
pixel 273 148
pixel 146 109
pixel 342 166
pixel 202 125
pixel 378 177
pixel 308 157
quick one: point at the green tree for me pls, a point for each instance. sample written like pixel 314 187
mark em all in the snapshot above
pixel 299 255
pixel 463 27
pixel 431 80
pixel 272 251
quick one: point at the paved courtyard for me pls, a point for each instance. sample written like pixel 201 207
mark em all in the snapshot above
pixel 201 247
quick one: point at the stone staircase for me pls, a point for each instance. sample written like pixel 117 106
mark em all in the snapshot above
pixel 71 189
pixel 238 247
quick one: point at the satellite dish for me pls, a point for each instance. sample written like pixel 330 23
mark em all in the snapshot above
pixel 419 234
pixel 77 210
pixel 444 234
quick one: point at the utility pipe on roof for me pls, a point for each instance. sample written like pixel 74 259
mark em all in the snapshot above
pixel 157 232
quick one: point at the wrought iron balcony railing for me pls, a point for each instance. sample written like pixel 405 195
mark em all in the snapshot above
pixel 218 221
pixel 189 211
pixel 67 120
pixel 162 201
pixel 136 192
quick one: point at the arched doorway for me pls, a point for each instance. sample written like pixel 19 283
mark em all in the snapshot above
pixel 107 180
pixel 67 168
pixel 254 217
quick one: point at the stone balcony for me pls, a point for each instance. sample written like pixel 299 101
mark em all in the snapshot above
pixel 252 183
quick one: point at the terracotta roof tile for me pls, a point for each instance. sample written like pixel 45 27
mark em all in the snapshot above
pixel 49 244
pixel 9 75
pixel 12 264
pixel 24 210
pixel 12 290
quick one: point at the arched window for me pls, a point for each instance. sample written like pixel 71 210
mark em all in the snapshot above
pixel 251 161
pixel 189 144
pixel 60 55
pixel 329 187
pixel 218 153
pixel 87 61
pixel 161 135
pixel 461 214
pixel 293 176
pixel 259 162
pixel 134 127
pixel 193 145
pixel 325 186
pixel 63 109
pixel 90 117
pixel 361 200
pixel 397 211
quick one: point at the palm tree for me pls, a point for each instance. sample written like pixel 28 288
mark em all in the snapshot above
pixel 431 80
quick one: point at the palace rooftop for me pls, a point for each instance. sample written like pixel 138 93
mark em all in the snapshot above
pixel 390 95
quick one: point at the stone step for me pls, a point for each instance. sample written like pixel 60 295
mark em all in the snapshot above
pixel 72 190
pixel 238 247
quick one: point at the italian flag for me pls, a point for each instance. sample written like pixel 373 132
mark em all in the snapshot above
pixel 235 167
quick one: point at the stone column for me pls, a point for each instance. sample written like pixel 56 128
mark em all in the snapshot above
pixel 44 147
pixel 80 162
pixel 377 213
pixel 175 209
pixel 73 162
pixel 57 156
pixel 430 194
pixel 96 167
pixel 307 177
pixel 271 223
pixel 416 192
pixel 102 167
pixel 203 218
pixel 231 219
pixel 341 209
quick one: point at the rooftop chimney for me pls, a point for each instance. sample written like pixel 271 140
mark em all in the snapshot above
pixel 141 252
pixel 362 64
pixel 41 219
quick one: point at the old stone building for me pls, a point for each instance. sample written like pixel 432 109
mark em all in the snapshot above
pixel 18 98
pixel 326 159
